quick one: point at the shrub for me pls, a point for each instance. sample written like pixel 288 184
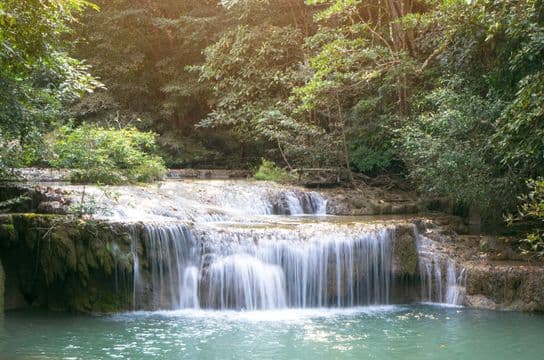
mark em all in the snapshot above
pixel 15 153
pixel 270 172
pixel 107 156
pixel 531 212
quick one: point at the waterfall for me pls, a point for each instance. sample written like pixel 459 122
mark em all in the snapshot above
pixel 334 270
pixel 136 275
pixel 189 288
pixel 441 279
pixel 244 282
pixel 328 271
pixel 217 245
pixel 236 267
pixel 170 254
pixel 456 283
pixel 267 269
pixel 298 203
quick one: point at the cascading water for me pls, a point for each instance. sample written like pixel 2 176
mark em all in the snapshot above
pixel 216 245
pixel 268 268
pixel 189 288
pixel 170 255
pixel 441 280
pixel 312 270
pixel 299 203
pixel 456 282
pixel 244 282
pixel 136 275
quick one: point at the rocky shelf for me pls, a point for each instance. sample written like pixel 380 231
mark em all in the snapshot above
pixel 49 258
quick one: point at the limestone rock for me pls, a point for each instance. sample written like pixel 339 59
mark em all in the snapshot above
pixel 480 302
pixel 510 285
pixel 405 256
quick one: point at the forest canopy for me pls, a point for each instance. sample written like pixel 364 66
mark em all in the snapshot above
pixel 448 94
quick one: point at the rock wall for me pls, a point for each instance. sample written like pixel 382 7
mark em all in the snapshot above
pixel 63 264
pixel 2 288
pixel 405 256
pixel 505 286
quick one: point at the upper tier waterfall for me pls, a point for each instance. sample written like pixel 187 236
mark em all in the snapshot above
pixel 251 246
pixel 200 201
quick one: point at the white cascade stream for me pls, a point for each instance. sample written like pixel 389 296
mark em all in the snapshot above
pixel 247 245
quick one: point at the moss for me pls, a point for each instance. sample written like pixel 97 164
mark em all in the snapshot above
pixel 405 256
pixel 99 297
pixel 64 263
pixel 32 216
pixel 2 288
pixel 58 253
pixel 7 234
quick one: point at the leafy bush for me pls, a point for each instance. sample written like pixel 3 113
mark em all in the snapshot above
pixel 107 156
pixel 16 153
pixel 90 205
pixel 447 151
pixel 368 160
pixel 532 211
pixel 270 172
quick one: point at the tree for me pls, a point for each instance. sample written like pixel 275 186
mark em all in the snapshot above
pixel 252 68
pixel 36 72
pixel 141 51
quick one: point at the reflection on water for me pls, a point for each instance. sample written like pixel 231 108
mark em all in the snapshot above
pixel 382 332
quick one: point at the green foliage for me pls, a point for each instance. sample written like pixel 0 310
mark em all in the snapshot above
pixel 269 171
pixel 141 50
pixel 450 92
pixel 368 160
pixel 36 73
pixel 106 155
pixel 90 205
pixel 478 134
pixel 532 210
pixel 253 70
pixel 22 152
pixel 447 149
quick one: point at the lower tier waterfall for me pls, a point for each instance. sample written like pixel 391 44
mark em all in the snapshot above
pixel 441 279
pixel 258 245
pixel 287 266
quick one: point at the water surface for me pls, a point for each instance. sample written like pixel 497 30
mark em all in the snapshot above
pixel 386 332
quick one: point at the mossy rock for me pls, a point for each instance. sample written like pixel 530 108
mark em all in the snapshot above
pixel 8 234
pixel 2 288
pixel 70 264
pixel 405 255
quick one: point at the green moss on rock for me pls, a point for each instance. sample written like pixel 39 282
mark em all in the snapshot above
pixel 7 234
pixel 69 264
pixel 2 288
pixel 405 256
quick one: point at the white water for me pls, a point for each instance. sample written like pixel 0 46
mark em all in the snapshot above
pixel 170 254
pixel 267 268
pixel 273 268
pixel 216 244
pixel 199 201
pixel 442 280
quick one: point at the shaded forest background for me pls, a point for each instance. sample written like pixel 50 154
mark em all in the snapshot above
pixel 448 94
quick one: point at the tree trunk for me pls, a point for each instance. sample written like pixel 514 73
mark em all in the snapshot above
pixel 344 139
